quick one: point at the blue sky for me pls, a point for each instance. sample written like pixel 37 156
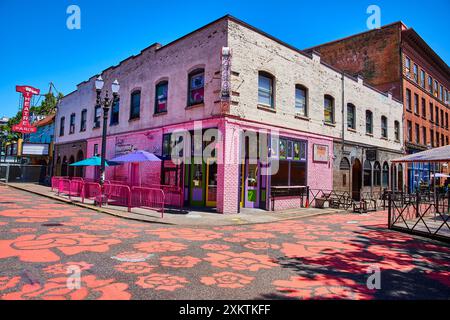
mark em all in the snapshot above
pixel 36 46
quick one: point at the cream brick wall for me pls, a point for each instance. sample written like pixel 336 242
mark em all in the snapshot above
pixel 254 52
pixel 172 62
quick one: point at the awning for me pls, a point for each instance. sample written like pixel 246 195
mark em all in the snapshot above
pixel 441 154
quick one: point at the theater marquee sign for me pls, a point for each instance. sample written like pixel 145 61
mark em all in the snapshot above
pixel 24 125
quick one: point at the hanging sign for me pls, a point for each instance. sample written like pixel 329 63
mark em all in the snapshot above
pixel 24 125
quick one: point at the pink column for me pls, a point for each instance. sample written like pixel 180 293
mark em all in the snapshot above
pixel 228 169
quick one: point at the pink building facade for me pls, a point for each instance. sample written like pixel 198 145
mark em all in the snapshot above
pixel 208 80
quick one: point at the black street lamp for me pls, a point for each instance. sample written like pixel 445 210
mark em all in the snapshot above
pixel 105 103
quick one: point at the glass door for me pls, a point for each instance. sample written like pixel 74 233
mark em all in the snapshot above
pixel 197 192
pixel 211 183
pixel 251 186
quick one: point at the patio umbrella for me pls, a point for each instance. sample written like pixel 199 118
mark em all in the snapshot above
pixel 95 162
pixel 137 156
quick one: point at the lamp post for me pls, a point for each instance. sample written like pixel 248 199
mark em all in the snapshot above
pixel 105 103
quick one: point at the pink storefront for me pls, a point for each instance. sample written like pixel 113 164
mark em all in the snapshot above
pixel 230 177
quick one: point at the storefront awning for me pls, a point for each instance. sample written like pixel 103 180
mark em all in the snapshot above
pixel 441 154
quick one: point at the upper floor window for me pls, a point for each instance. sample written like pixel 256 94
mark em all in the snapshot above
pixel 329 109
pixel 416 103
pixel 417 132
pixel 431 112
pixel 416 74
pixel 196 87
pixel 61 126
pixel 397 130
pixel 72 123
pixel 407 66
pixel 432 138
pixel 135 105
pixel 351 120
pixel 424 135
pixel 446 120
pixel 265 89
pixel 424 108
pixel 97 116
pixel 422 78
pixel 436 109
pixel 435 89
pixel 446 96
pixel 384 127
pixel 442 118
pixel 408 100
pixel 369 122
pixel 83 120
pixel 409 126
pixel 441 92
pixel 301 94
pixel 161 96
pixel 430 84
pixel 115 113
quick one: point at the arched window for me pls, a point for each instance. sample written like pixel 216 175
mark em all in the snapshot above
pixel 161 95
pixel 384 127
pixel 135 104
pixel 196 87
pixel 351 116
pixel 266 89
pixel 367 173
pixel 345 164
pixel 328 109
pixel 377 174
pixel 385 174
pixel 301 100
pixel 369 122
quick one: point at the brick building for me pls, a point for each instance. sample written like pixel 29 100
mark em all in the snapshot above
pixel 252 96
pixel 395 58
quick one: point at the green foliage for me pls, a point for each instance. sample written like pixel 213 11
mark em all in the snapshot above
pixel 47 107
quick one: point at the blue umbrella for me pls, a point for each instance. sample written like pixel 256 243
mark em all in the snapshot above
pixel 137 156
pixel 94 161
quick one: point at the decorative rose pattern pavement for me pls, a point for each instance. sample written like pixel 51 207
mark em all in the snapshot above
pixel 50 250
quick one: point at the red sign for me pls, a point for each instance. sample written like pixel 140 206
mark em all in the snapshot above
pixel 24 125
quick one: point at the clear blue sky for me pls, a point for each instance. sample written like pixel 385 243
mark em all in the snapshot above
pixel 36 46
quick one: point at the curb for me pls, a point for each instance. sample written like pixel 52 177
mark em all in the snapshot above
pixel 102 210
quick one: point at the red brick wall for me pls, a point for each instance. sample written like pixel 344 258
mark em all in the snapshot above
pixel 375 55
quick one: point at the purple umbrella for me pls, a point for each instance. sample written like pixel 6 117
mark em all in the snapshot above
pixel 137 156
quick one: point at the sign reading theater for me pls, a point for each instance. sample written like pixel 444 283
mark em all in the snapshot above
pixel 24 125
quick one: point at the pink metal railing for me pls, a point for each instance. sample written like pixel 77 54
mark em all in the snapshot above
pixel 118 195
pixel 92 191
pixel 148 198
pixel 76 188
pixel 64 186
pixel 172 194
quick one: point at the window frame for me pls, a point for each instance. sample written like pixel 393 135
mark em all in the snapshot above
pixel 133 114
pixel 97 118
pixel 62 128
pixel 370 127
pixel 270 92
pixel 330 98
pixel 72 123
pixel 83 120
pixel 384 127
pixel 397 130
pixel 192 74
pixel 159 84
pixel 300 87
pixel 115 114
pixel 351 125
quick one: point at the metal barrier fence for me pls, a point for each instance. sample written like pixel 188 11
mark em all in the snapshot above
pixel 118 195
pixel 23 173
pixel 149 198
pixel 92 191
pixel 173 196
pixel 424 214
